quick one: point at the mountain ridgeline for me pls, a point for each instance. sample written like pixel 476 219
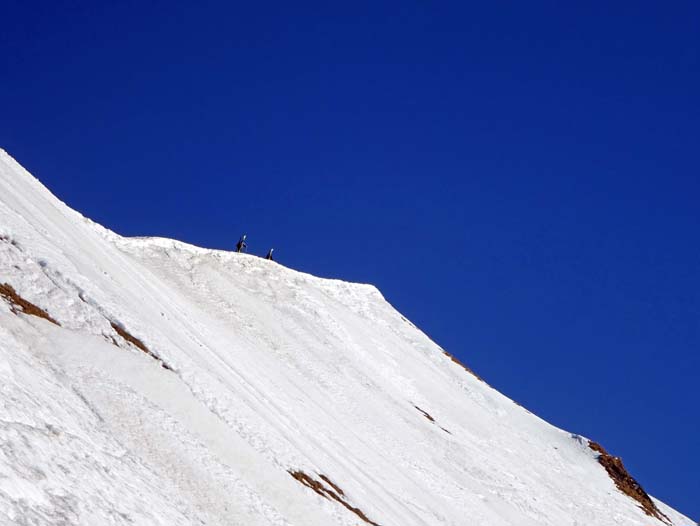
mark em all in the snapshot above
pixel 148 381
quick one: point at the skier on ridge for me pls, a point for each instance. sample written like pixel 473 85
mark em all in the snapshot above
pixel 269 255
pixel 241 245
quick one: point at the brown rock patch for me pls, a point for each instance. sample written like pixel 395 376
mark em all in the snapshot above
pixel 626 483
pixel 430 417
pixel 126 335
pixel 425 414
pixel 19 304
pixel 334 492
pixel 455 360
pixel 332 485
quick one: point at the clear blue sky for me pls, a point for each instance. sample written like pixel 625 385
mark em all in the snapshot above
pixel 520 179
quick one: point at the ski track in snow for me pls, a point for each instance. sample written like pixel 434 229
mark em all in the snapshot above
pixel 266 370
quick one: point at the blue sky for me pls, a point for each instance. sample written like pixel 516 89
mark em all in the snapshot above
pixel 519 179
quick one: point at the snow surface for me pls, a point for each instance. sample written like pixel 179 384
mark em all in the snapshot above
pixel 268 371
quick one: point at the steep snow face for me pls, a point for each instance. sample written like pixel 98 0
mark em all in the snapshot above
pixel 184 386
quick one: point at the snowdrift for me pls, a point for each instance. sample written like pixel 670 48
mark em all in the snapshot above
pixel 146 381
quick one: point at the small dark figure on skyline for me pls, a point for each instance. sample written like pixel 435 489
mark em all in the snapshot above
pixel 269 255
pixel 241 245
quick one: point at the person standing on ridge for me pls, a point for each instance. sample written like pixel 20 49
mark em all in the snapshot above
pixel 269 255
pixel 241 245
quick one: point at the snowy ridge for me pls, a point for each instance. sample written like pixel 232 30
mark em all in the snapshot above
pixel 183 385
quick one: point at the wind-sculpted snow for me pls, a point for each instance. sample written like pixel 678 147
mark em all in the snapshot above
pixel 181 385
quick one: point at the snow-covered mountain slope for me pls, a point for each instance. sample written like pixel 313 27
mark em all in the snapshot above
pixel 145 381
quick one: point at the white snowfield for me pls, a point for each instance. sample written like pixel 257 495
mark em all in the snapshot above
pixel 252 372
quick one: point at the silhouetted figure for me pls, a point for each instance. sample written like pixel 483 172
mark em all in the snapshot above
pixel 269 255
pixel 241 245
